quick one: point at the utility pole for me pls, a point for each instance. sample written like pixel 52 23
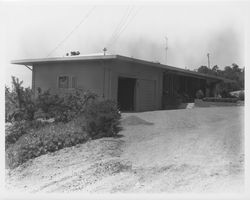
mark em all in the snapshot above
pixel 166 48
pixel 208 60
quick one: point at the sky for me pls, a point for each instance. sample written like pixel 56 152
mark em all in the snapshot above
pixel 193 29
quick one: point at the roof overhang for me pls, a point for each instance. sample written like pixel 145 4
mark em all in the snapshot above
pixel 87 58
pixel 31 62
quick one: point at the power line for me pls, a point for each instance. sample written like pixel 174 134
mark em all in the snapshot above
pixel 121 24
pixel 70 33
pixel 124 27
pixel 128 10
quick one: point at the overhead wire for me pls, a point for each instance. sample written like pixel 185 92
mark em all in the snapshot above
pixel 121 24
pixel 73 30
pixel 123 28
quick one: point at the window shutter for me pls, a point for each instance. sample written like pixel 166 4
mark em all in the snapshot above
pixel 74 83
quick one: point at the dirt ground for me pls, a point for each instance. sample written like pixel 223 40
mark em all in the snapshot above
pixel 192 150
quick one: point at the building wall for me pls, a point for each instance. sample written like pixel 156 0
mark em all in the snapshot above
pixel 143 74
pixel 89 75
pixel 101 77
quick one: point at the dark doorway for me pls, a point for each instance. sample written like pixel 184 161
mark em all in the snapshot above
pixel 126 93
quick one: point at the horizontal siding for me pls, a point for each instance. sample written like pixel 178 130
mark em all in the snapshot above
pixel 147 95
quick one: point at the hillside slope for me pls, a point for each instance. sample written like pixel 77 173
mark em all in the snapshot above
pixel 193 150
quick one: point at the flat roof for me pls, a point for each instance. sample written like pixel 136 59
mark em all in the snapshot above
pixel 180 71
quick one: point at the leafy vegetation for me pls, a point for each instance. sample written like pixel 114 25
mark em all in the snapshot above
pixel 214 99
pixel 49 138
pixel 230 72
pixel 199 94
pixel 242 96
pixel 102 119
pixel 62 108
pixel 19 103
pixel 18 128
pixel 77 116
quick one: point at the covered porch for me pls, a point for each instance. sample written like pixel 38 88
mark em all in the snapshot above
pixel 181 87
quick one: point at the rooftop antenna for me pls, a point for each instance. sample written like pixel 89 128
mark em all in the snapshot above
pixel 104 51
pixel 208 60
pixel 166 48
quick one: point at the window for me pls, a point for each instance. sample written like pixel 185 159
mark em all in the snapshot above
pixel 63 82
pixel 73 82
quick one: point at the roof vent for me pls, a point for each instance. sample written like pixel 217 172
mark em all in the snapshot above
pixel 73 53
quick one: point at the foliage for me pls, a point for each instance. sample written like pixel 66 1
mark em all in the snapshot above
pixel 233 73
pixel 175 100
pixel 205 70
pixel 49 138
pixel 18 128
pixel 62 108
pixel 199 94
pixel 184 98
pixel 214 99
pixel 225 89
pixel 242 96
pixel 102 119
pixel 28 137
pixel 24 111
pixel 19 104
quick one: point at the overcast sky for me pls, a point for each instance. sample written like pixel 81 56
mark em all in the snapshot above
pixel 192 29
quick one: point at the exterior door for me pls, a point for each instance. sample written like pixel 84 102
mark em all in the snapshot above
pixel 147 95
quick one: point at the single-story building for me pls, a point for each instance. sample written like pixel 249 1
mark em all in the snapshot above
pixel 137 85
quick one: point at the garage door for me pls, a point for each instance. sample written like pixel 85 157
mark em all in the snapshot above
pixel 147 95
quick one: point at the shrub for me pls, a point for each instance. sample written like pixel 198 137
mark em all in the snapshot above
pixel 47 139
pixel 64 107
pixel 102 119
pixel 215 99
pixel 19 104
pixel 241 95
pixel 226 94
pixel 199 94
pixel 14 131
pixel 184 97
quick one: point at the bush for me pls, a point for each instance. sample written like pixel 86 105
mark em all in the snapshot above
pixel 215 99
pixel 19 104
pixel 226 94
pixel 62 108
pixel 47 139
pixel 102 119
pixel 241 95
pixel 199 94
pixel 14 131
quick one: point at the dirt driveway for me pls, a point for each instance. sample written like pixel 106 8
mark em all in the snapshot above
pixel 193 150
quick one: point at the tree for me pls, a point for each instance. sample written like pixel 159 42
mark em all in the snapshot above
pixel 18 102
pixel 234 73
pixel 236 68
pixel 215 69
pixel 204 69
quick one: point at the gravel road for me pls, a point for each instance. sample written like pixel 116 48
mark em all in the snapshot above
pixel 192 150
